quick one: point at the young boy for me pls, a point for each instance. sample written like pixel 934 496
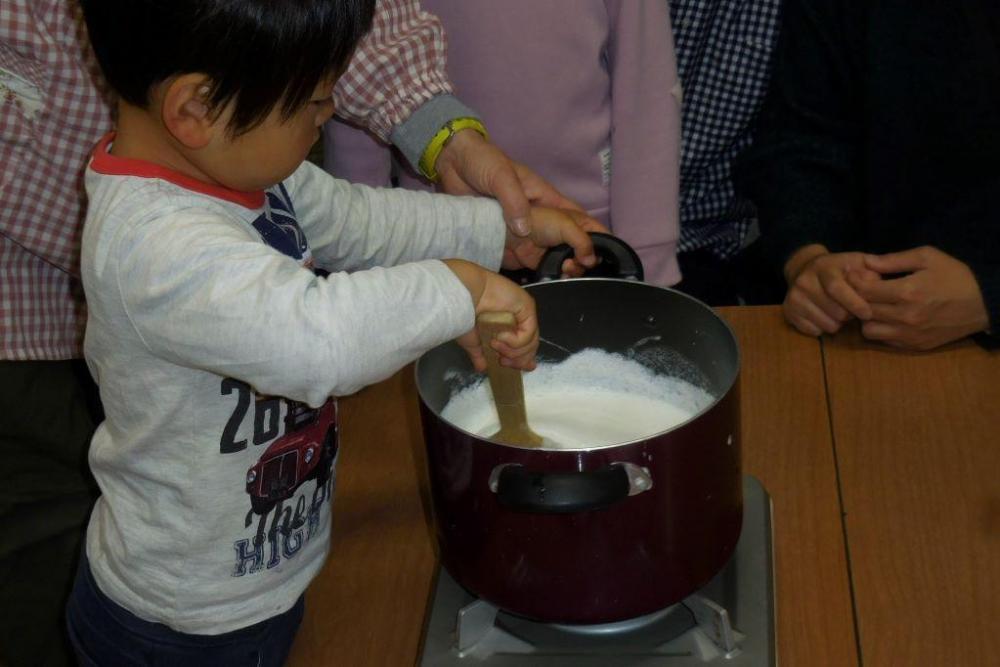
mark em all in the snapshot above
pixel 216 345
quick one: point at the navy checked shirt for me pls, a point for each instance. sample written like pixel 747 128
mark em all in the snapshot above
pixel 723 57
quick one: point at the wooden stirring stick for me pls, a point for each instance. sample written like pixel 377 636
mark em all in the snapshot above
pixel 506 384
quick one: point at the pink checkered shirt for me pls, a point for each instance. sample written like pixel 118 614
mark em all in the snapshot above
pixel 54 108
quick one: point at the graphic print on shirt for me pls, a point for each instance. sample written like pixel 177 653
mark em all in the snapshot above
pixel 279 229
pixel 284 511
pixel 305 451
pixel 298 446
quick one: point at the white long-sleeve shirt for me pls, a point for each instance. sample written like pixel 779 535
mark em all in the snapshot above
pixel 203 310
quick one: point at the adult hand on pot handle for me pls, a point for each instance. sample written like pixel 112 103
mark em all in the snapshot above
pixel 491 292
pixel 552 227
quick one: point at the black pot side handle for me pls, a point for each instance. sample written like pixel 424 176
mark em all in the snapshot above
pixel 618 260
pixel 521 490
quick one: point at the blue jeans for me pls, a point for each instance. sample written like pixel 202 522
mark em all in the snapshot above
pixel 104 634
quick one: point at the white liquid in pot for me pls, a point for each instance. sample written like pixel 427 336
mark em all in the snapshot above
pixel 593 398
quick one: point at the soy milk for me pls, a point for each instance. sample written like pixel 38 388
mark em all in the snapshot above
pixel 593 398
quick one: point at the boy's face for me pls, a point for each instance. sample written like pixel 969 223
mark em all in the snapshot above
pixel 275 148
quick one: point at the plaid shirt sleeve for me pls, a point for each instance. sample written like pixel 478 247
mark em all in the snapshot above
pixel 398 67
pixel 52 111
pixel 51 114
pixel 54 106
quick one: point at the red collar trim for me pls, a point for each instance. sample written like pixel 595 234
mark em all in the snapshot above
pixel 105 163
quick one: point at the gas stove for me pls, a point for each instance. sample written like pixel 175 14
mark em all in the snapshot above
pixel 729 621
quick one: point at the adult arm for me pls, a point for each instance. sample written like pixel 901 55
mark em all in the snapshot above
pixel 52 112
pixel 398 68
pixel 645 140
pixel 469 165
pixel 397 87
pixel 802 171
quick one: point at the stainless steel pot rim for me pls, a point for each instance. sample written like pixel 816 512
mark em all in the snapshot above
pixel 715 401
pixel 671 290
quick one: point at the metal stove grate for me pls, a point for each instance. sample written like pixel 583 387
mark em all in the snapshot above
pixel 730 620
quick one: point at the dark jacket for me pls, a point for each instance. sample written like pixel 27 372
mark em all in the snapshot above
pixel 882 132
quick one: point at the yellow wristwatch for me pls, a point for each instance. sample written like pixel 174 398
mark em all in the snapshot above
pixel 428 161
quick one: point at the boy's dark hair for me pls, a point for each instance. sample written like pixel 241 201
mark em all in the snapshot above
pixel 256 52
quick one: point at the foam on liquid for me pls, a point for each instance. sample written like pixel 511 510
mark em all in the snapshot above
pixel 593 398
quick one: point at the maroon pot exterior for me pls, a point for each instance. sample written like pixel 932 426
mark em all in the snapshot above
pixel 640 555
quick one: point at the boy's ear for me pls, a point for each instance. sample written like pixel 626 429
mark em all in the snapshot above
pixel 185 110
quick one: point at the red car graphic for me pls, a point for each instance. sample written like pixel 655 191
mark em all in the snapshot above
pixel 305 451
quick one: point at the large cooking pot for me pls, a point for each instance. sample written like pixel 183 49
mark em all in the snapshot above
pixel 594 534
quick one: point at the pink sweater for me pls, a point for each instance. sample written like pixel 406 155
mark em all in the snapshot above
pixel 582 91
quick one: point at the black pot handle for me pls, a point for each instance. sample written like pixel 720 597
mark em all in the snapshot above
pixel 521 490
pixel 618 260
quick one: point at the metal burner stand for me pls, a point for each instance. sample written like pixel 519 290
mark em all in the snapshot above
pixel 729 621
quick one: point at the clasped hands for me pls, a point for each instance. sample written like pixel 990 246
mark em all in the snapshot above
pixel 916 299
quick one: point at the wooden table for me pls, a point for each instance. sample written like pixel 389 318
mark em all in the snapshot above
pixel 909 572
pixel 787 446
pixel 917 438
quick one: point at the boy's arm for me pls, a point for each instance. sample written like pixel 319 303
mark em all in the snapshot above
pixel 645 144
pixel 202 293
pixel 353 227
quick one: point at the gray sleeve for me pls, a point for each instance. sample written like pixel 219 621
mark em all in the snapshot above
pixel 413 134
